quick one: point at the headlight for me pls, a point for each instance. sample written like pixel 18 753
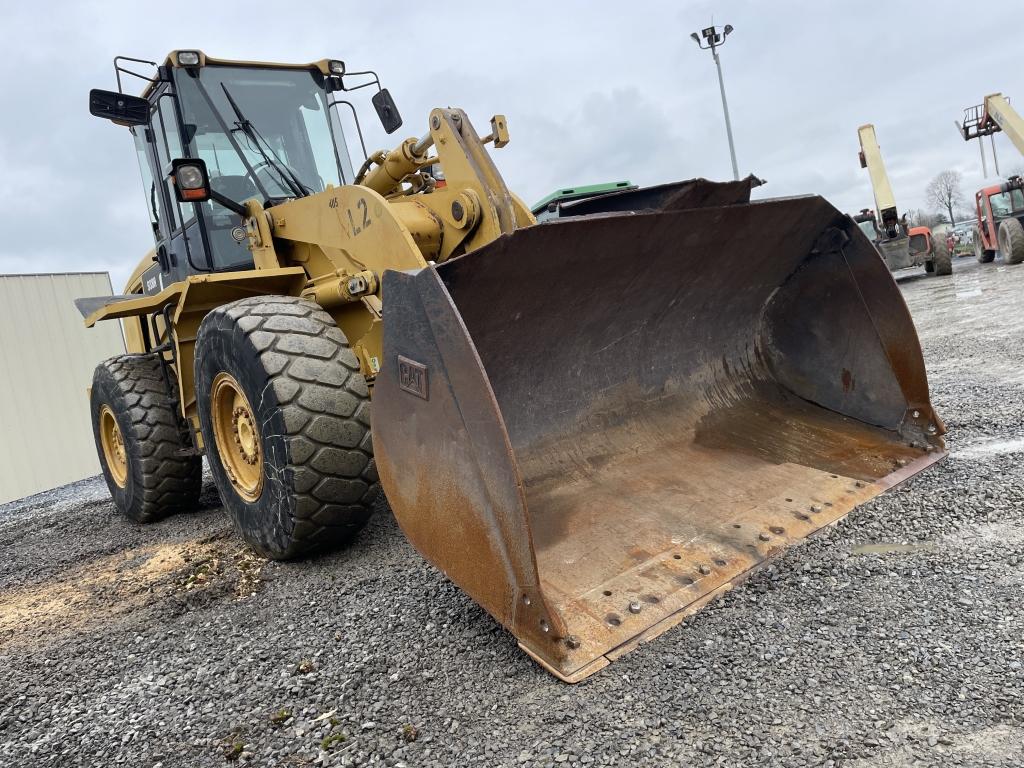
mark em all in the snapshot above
pixel 191 181
pixel 336 67
pixel 188 58
pixel 190 177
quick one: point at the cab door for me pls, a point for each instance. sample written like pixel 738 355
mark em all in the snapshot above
pixel 986 229
pixel 177 233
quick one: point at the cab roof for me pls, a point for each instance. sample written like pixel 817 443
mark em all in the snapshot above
pixel 204 61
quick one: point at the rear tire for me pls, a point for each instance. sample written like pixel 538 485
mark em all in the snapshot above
pixel 942 261
pixel 144 451
pixel 285 414
pixel 1011 241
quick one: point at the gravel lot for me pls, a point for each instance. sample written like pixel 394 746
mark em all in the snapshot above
pixel 894 638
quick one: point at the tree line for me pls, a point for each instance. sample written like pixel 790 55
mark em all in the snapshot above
pixel 944 194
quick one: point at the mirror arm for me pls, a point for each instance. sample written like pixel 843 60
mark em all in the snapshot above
pixel 228 203
pixel 375 81
pixel 118 69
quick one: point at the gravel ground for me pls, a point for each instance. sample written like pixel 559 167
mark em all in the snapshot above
pixel 892 639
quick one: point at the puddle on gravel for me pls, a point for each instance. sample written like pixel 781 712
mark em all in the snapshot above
pixel 887 548
pixel 969 294
pixel 990 448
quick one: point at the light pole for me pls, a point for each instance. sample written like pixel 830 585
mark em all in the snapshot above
pixel 712 40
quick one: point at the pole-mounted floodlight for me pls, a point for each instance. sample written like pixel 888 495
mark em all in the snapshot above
pixel 712 40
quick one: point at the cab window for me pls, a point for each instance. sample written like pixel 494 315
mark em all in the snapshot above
pixel 264 133
pixel 149 189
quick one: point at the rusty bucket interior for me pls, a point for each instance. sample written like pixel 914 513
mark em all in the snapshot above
pixel 597 424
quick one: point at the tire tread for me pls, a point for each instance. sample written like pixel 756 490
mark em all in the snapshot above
pixel 171 479
pixel 316 380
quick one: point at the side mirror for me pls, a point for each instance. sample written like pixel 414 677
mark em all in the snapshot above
pixel 119 107
pixel 387 111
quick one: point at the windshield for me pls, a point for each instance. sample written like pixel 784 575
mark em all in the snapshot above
pixel 868 228
pixel 263 133
pixel 286 107
pixel 1006 203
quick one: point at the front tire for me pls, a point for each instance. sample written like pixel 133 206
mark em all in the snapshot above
pixel 1011 240
pixel 285 414
pixel 983 255
pixel 144 451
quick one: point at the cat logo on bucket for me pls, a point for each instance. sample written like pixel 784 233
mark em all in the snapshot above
pixel 412 377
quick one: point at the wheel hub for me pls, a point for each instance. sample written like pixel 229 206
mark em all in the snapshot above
pixel 236 436
pixel 112 442
pixel 245 435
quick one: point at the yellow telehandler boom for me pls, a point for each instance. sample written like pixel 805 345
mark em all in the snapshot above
pixel 885 200
pixel 900 246
pixel 593 425
pixel 993 115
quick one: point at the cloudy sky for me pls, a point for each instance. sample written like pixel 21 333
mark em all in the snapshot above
pixel 593 91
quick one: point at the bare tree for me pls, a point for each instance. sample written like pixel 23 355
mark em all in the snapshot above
pixel 919 218
pixel 943 192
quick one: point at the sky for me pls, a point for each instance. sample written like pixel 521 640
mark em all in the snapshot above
pixel 593 91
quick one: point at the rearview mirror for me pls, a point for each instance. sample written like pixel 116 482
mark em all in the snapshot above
pixel 119 107
pixel 387 111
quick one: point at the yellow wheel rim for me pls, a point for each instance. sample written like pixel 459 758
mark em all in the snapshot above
pixel 236 436
pixel 114 455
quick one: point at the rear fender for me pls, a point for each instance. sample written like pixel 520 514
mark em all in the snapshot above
pixel 190 300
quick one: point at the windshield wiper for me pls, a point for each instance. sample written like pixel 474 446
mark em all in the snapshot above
pixel 250 130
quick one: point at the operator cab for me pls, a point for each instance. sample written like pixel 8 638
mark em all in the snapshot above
pixel 867 223
pixel 1008 202
pixel 261 131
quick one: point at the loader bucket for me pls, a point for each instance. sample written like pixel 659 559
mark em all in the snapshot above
pixel 596 425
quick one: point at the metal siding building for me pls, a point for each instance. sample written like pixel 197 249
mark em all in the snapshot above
pixel 47 358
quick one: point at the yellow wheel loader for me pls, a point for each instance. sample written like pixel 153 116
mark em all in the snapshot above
pixel 592 425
